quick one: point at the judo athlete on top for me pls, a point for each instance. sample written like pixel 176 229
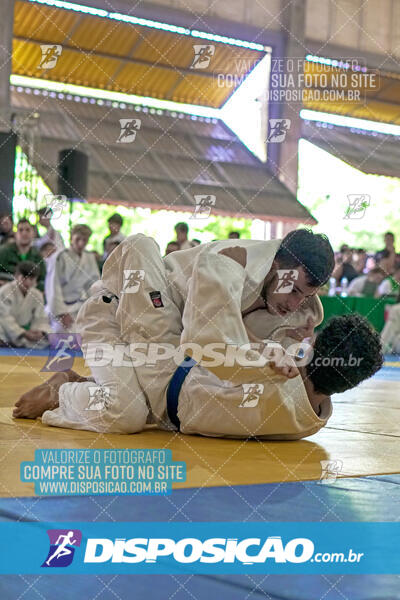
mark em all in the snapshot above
pixel 212 294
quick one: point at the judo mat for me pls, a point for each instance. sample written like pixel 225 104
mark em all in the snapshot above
pixel 226 480
pixel 363 434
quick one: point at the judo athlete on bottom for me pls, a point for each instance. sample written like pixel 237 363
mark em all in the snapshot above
pixel 219 295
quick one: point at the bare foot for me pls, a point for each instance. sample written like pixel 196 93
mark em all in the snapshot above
pixel 43 397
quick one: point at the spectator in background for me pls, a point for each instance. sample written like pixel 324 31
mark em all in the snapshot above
pixel 386 261
pixel 390 335
pixel 367 285
pixel 110 246
pixel 22 249
pixel 182 230
pixel 6 229
pixel 70 274
pixel 44 219
pixel 391 285
pixel 196 242
pixel 171 247
pixel 115 223
pixel 343 265
pixel 360 260
pixel 234 235
pixel 388 252
pixel 46 250
pixel 23 321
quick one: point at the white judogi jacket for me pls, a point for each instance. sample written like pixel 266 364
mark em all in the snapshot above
pixel 19 313
pixel 68 280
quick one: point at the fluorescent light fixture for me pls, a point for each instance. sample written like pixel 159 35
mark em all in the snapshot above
pixel 97 12
pixel 339 63
pixel 350 122
pixel 79 90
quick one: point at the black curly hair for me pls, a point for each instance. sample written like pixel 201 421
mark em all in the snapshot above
pixel 347 351
pixel 310 250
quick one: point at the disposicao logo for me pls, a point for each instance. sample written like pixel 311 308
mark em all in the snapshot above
pixel 190 550
pixel 62 547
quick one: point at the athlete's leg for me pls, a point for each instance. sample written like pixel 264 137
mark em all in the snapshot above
pixel 124 409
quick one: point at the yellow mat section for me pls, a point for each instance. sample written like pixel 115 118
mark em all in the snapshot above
pixel 363 433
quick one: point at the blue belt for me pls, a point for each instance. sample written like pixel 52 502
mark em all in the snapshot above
pixel 174 388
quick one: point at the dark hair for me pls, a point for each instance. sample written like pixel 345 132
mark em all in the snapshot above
pixel 235 233
pixel 312 251
pixel 182 227
pixel 27 268
pixel 24 220
pixel 389 233
pixel 116 218
pixel 47 245
pixel 343 338
pixel 45 211
pixel 173 243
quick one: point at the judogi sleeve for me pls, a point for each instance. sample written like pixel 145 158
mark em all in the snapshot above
pixel 9 324
pixel 53 290
pixel 40 320
pixel 212 315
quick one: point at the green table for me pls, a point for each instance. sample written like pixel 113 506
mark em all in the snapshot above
pixel 371 308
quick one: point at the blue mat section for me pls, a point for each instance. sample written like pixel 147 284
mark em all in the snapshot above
pixel 347 499
pixel 351 499
pixel 389 373
pixel 28 352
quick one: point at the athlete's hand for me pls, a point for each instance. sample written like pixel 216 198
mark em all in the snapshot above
pixel 288 371
pixel 66 320
pixel 300 333
pixel 33 335
pixel 236 253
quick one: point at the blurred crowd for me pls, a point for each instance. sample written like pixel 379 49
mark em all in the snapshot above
pixel 43 283
pixel 361 273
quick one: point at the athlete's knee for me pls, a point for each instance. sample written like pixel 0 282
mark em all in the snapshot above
pixel 125 409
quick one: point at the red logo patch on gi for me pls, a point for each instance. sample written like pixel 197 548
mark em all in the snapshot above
pixel 156 299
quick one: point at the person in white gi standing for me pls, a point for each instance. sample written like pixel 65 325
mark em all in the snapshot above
pixel 70 273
